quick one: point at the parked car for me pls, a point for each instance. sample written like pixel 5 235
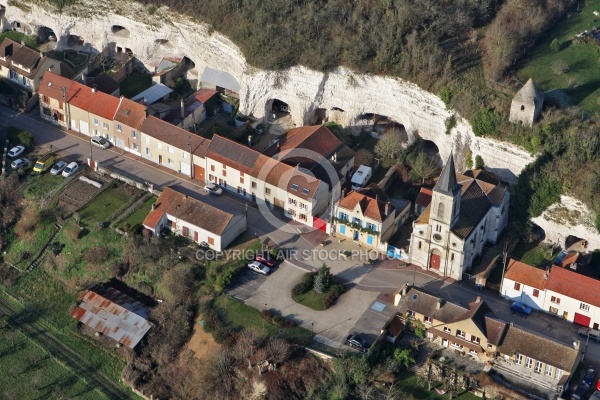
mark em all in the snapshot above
pixel 16 151
pixel 259 267
pixel 70 169
pixel 101 142
pixel 43 163
pixel 213 188
pixel 521 308
pixel 20 163
pixel 357 342
pixel 579 392
pixel 590 375
pixel 58 168
pixel 266 259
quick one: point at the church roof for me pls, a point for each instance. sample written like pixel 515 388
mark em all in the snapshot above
pixel 529 92
pixel 447 183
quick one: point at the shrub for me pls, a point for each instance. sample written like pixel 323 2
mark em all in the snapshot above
pixel 479 164
pixel 323 280
pixel 276 320
pixel 485 122
pixel 329 300
pixel 23 137
pixel 555 45
pixel 96 254
pixel 446 95
pixel 305 285
pixel 420 332
pixel 267 315
pixel 469 159
pixel 450 123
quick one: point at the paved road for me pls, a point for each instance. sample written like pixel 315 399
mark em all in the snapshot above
pixel 58 350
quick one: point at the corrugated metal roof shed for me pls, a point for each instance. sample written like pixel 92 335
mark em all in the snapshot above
pixel 220 78
pixel 153 93
pixel 114 314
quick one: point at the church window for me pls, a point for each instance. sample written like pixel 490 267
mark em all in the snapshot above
pixel 441 210
pixel 452 257
pixel 522 108
pixel 419 245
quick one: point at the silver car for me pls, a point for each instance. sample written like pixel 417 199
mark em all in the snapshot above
pixel 259 267
pixel 58 168
pixel 20 163
pixel 213 188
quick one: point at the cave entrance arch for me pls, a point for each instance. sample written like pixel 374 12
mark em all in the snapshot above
pixel 46 34
pixel 432 150
pixel 379 125
pixel 120 31
pixel 74 40
pixel 279 114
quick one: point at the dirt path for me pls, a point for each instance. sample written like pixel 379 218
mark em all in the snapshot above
pixel 202 344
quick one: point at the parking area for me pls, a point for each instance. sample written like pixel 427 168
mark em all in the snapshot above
pixel 246 284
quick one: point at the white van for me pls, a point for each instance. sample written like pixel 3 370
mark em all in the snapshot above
pixel 361 177
pixel 101 142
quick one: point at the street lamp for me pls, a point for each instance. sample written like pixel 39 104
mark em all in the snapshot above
pixel 191 163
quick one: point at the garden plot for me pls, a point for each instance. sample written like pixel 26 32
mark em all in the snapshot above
pixel 78 193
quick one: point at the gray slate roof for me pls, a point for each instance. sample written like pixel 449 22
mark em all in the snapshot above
pixel 447 183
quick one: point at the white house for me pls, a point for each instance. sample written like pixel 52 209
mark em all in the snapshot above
pixel 194 219
pixel 525 283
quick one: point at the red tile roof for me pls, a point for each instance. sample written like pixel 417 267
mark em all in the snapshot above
pixel 203 95
pixel 526 274
pixel 189 209
pixel 103 105
pixel 424 197
pixel 370 207
pixel 130 113
pixel 174 135
pixel 317 138
pixel 152 219
pixel 574 285
pixel 52 85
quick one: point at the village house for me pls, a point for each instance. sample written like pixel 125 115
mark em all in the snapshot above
pixel 23 65
pixel 466 211
pixel 367 220
pixel 471 328
pixel 128 121
pixel 194 109
pixel 537 359
pixel 525 283
pixel 105 84
pixel 53 93
pixel 194 219
pixel 115 311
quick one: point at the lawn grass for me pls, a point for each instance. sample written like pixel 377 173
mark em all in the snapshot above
pixel 38 186
pixel 414 385
pixel 43 296
pixel 137 217
pixel 580 84
pixel 28 372
pixel 41 236
pixel 105 205
pixel 241 316
pixel 532 253
pixel 311 299
pixel 18 37
pixel 135 83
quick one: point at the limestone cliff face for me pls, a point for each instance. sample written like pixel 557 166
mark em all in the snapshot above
pixel 341 94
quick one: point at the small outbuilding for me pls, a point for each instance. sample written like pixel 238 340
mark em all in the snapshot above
pixel 527 104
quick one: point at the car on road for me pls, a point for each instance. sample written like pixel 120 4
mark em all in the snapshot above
pixel 213 188
pixel 70 169
pixel 58 168
pixel 20 163
pixel 16 151
pixel 357 342
pixel 101 142
pixel 579 392
pixel 590 375
pixel 266 259
pixel 259 267
pixel 520 308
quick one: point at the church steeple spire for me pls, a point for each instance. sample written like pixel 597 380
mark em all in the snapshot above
pixel 447 183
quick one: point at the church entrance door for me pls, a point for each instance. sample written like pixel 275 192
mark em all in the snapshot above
pixel 434 260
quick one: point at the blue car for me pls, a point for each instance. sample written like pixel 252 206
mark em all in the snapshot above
pixel 521 308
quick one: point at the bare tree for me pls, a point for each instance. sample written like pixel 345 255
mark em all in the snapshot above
pixel 389 148
pixel 278 350
pixel 247 343
pixel 366 391
pixel 424 166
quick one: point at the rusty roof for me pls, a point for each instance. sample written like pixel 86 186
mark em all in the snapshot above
pixel 370 207
pixel 203 95
pixel 114 314
pixel 526 274
pixel 424 197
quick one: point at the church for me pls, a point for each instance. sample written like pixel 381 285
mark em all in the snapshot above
pixel 466 211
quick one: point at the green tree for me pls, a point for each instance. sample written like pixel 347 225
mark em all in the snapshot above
pixel 450 123
pixel 323 279
pixel 555 45
pixel 485 122
pixel 424 166
pixel 479 164
pixel 469 159
pixel 389 148
pixel 403 357
pixel 446 95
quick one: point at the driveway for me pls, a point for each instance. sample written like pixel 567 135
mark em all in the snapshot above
pixel 246 284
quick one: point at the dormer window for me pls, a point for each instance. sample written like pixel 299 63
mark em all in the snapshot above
pixel 305 191
pixel 294 187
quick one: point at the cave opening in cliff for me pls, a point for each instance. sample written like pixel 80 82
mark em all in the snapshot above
pixel 120 31
pixel 382 124
pixel 279 113
pixel 2 11
pixel 430 148
pixel 45 34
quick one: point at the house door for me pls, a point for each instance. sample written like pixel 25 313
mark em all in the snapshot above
pixel 199 172
pixel 355 235
pixel 565 315
pixel 84 127
pixel 434 260
pixel 196 236
pixel 159 160
pixel 583 320
pixel 595 326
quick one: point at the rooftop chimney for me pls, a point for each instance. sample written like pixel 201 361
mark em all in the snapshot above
pixel 387 208
pixel 182 109
pixel 478 299
pixel 94 88
pixel 22 42
pixel 439 304
pixel 153 206
pixel 334 158
pixel 576 344
pixel 405 289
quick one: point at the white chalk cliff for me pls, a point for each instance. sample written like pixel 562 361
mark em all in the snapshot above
pixel 344 95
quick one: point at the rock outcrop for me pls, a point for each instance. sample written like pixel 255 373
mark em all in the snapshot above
pixel 342 95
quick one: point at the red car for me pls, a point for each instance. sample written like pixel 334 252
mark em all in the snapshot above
pixel 266 259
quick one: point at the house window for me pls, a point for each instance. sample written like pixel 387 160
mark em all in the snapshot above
pixel 528 362
pixel 305 191
pixel 291 212
pixel 105 126
pixel 538 367
pixel 303 217
pixel 410 313
pixel 548 371
pixel 344 216
pixel 555 299
pixel 147 139
pixel 119 127
pixel 268 191
pixel 584 307
pixel 134 134
pixel 224 173
pixel 292 201
pixel 211 241
pixel 211 177
pixel 419 245
pixel 447 330
pixel 358 222
pixel 473 352
pixel 559 373
pixel 518 358
pixel 239 189
pixel 95 121
pixel 212 168
pixel 303 206
pixel 451 256
pixel 148 152
pixel 428 320
pixel 134 146
pixel 475 339
pixel 489 346
pixel 517 286
pixel 553 310
pixel 170 149
pixel 183 155
pixel 457 346
pixel 460 334
pixel 241 179
pixel 294 187
pixel 536 293
pixel 185 231
pixel 254 186
pixel 171 161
